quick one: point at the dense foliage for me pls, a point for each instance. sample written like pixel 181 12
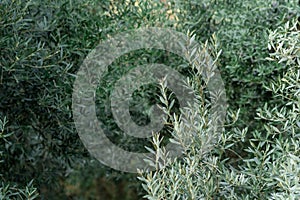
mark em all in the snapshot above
pixel 43 44
pixel 268 165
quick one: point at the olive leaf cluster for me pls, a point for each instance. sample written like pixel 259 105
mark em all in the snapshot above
pixel 270 170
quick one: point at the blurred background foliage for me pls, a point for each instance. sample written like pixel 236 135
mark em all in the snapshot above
pixel 42 45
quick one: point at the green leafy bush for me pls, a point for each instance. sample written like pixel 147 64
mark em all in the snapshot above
pixel 270 170
pixel 42 45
